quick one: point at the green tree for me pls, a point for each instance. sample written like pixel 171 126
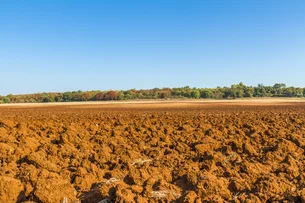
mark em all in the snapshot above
pixel 279 86
pixel 58 98
pixel 249 92
pixel 260 91
pixel 299 92
pixel 288 92
pixel 195 93
pixel 121 95
pixel 218 93
pixel 6 100
pixel 229 93
pixel 206 93
pixel 67 97
pixel 45 98
pixel 129 94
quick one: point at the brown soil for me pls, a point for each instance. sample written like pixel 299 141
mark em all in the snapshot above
pixel 175 152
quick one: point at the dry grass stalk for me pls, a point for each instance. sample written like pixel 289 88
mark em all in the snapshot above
pixel 164 194
pixel 65 200
pixel 140 161
pixel 112 180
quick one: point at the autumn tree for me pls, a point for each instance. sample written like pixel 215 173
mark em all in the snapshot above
pixel 111 95
pixel 99 96
pixel 164 95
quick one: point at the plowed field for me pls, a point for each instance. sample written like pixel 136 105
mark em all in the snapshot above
pixel 183 152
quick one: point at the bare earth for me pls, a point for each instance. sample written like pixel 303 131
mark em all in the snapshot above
pixel 153 151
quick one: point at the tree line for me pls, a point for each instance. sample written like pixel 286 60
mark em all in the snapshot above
pixel 235 91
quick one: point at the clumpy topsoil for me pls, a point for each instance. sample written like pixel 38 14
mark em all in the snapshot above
pixel 150 153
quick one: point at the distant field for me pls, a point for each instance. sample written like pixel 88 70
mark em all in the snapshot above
pixel 174 102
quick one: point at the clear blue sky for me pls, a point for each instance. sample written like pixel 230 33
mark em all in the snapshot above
pixel 55 45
